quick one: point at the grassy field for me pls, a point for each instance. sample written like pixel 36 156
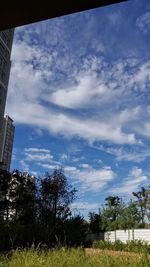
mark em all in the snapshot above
pixel 69 258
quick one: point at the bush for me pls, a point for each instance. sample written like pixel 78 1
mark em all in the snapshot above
pixel 138 246
pixel 118 245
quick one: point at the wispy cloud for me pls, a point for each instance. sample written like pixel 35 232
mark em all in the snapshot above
pixel 143 22
pixel 135 179
pixel 48 167
pixel 82 82
pixel 135 154
pixel 85 166
pixel 93 180
pixel 64 157
pixel 34 149
pixel 37 154
pixel 49 95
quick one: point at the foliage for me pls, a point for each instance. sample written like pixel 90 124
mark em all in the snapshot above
pixel 5 180
pixel 130 216
pixel 95 222
pixel 38 211
pixel 131 246
pixel 75 230
pixel 22 196
pixel 34 211
pixel 143 197
pixel 118 215
pixel 111 213
pixel 56 195
pixel 69 258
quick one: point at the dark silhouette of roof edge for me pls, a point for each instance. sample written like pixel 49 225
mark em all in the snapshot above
pixel 17 13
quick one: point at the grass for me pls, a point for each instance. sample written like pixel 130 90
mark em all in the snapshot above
pixel 137 246
pixel 69 258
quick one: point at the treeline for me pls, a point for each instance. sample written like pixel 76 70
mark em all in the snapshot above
pixel 116 214
pixel 37 211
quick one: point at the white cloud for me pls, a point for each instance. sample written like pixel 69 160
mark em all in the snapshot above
pixel 57 88
pixel 38 157
pixel 34 149
pixel 93 84
pixel 49 166
pixel 59 123
pixel 146 129
pixel 135 179
pixel 90 179
pixel 71 169
pixel 87 86
pixel 143 22
pixel 139 80
pixel 93 180
pixel 64 157
pixel 85 166
pixel 135 154
pixel 37 154
pixel 101 84
pixel 78 159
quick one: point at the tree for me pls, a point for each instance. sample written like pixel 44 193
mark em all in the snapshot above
pixel 143 202
pixel 148 204
pixel 130 216
pixel 22 195
pixel 75 230
pixel 5 180
pixel 95 221
pixel 111 213
pixel 36 212
pixel 56 195
pixel 17 209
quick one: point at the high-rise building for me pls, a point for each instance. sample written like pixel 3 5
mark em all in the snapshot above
pixel 6 39
pixel 7 143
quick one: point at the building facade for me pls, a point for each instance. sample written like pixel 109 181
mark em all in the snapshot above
pixel 6 39
pixel 7 143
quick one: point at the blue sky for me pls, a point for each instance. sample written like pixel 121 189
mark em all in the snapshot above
pixel 79 94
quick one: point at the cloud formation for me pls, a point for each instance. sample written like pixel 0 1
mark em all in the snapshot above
pixel 143 23
pixel 37 154
pixel 135 179
pixel 134 153
pixel 91 179
pixel 95 85
pixel 81 85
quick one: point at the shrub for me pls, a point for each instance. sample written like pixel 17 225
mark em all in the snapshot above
pixel 138 246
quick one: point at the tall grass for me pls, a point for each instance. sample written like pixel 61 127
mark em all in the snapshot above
pixel 68 258
pixel 131 246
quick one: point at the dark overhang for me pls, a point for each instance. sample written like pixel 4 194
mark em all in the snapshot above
pixel 15 13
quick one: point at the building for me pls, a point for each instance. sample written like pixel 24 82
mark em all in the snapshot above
pixel 7 143
pixel 6 39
